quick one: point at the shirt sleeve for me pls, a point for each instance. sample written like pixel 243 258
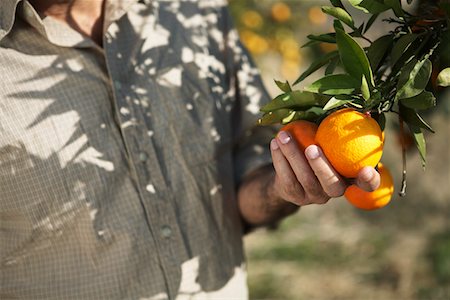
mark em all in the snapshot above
pixel 251 141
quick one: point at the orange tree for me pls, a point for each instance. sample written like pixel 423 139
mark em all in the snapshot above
pixel 392 74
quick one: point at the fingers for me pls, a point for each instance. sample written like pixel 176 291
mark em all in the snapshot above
pixel 330 180
pixel 303 174
pixel 368 179
pixel 287 181
pixel 306 178
pixel 294 156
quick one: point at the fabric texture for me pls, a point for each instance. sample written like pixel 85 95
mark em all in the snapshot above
pixel 119 165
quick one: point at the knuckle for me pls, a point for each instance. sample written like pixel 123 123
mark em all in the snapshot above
pixel 335 190
pixel 290 189
pixel 291 154
pixel 291 151
pixel 323 198
pixel 320 198
pixel 311 183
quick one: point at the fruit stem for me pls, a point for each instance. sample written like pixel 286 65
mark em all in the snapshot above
pixel 402 192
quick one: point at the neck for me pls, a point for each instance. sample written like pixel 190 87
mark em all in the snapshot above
pixel 85 16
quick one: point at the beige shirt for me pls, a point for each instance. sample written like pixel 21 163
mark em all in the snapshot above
pixel 119 165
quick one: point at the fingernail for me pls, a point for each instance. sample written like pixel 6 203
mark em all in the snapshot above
pixel 366 174
pixel 312 152
pixel 284 137
pixel 274 144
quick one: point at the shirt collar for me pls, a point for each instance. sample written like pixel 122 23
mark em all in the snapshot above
pixel 114 10
pixel 7 16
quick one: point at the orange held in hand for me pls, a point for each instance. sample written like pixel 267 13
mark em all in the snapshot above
pixel 303 132
pixel 376 199
pixel 350 140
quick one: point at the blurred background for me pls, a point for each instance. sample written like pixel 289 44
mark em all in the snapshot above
pixel 336 251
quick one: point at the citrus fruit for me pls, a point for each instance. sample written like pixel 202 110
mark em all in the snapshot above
pixel 350 140
pixel 303 132
pixel 376 199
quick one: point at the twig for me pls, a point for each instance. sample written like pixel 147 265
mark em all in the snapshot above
pixel 402 192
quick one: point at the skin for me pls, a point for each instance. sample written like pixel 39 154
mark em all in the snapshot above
pixel 269 194
pixel 296 179
pixel 85 16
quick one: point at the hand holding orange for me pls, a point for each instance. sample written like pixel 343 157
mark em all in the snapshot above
pixel 376 199
pixel 350 141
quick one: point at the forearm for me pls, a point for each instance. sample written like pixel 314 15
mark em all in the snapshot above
pixel 259 204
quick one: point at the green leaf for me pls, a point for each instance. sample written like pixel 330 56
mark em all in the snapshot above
pixel 413 78
pixel 353 57
pixel 339 84
pixel 422 101
pixel 335 102
pixel 311 114
pixel 326 38
pixel 332 66
pixel 413 118
pixel 310 44
pixel 321 99
pixel 365 91
pixel 369 6
pixel 274 117
pixel 419 140
pixel 284 86
pixel 316 65
pixel 396 7
pixel 339 14
pixel 378 50
pixel 369 23
pixel 401 45
pixel 338 24
pixel 358 31
pixel 443 78
pixel 337 3
pixel 294 99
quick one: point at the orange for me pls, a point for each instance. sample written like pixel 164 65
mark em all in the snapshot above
pixel 376 199
pixel 303 132
pixel 350 140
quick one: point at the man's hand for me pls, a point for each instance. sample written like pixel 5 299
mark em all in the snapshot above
pixel 296 179
pixel 308 178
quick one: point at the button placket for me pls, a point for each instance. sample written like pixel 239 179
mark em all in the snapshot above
pixel 143 157
pixel 151 182
pixel 166 231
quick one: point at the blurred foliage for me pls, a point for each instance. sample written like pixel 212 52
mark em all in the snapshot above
pixel 274 27
pixel 439 255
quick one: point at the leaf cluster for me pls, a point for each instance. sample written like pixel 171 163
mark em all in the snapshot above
pixel 388 75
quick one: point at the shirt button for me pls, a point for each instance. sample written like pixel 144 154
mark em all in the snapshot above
pixel 143 157
pixel 166 232
pixel 117 84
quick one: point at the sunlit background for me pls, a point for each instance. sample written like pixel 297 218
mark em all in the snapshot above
pixel 336 251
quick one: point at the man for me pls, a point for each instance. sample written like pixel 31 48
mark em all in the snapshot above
pixel 130 165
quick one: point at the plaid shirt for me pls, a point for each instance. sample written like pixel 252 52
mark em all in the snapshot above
pixel 119 165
